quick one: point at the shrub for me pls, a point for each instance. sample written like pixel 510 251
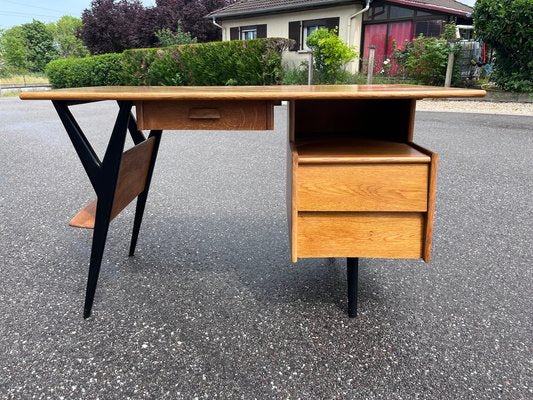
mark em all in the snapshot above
pixel 296 75
pixel 506 26
pixel 237 62
pixel 330 54
pixel 253 62
pixel 102 70
pixel 168 37
pixel 425 59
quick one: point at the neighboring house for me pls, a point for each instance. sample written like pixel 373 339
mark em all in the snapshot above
pixel 385 22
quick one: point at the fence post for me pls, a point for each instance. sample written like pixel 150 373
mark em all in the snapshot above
pixel 310 72
pixel 370 64
pixel 449 68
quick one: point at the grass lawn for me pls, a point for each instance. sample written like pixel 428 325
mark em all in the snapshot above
pixel 20 79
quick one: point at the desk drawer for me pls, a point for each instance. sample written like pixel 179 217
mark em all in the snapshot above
pixel 205 115
pixel 360 234
pixel 363 187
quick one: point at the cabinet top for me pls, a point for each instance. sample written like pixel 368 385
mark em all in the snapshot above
pixel 313 92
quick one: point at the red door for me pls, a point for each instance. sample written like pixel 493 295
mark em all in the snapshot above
pixel 375 35
pixel 399 33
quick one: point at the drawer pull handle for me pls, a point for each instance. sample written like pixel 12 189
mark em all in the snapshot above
pixel 204 113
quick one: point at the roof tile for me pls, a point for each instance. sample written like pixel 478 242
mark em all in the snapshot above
pixel 243 7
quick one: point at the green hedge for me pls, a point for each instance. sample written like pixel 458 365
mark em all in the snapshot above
pixel 103 70
pixel 252 62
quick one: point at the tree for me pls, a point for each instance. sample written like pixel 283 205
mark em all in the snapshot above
pixel 14 50
pixel 507 26
pixel 191 14
pixel 115 25
pixel 330 54
pixel 111 26
pixel 39 45
pixel 168 37
pixel 65 32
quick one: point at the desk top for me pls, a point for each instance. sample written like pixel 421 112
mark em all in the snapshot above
pixel 313 92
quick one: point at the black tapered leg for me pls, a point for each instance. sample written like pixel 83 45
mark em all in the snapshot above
pixel 106 194
pixel 141 199
pixel 101 226
pixel 353 278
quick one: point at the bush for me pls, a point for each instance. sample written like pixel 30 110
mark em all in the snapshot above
pixel 330 54
pixel 237 62
pixel 425 59
pixel 102 70
pixel 506 26
pixel 168 37
pixel 253 62
pixel 296 75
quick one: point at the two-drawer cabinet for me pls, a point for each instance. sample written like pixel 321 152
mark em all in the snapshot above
pixel 361 198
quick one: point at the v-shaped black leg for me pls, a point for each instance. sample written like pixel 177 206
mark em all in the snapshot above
pixel 106 178
pixel 141 199
pixel 106 194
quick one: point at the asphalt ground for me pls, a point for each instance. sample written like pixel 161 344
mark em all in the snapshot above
pixel 211 307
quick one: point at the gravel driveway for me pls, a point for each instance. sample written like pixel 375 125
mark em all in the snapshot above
pixel 211 307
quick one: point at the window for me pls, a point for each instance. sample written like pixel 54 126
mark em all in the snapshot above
pixel 376 13
pixel 401 12
pixel 432 28
pixel 247 34
pixel 299 31
pixel 308 30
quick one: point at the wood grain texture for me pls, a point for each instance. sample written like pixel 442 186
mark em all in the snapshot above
pixel 292 196
pixel 411 122
pixel 428 241
pixel 207 115
pixel 290 120
pixel 85 218
pixel 432 196
pixel 331 150
pixel 365 234
pixel 131 182
pixel 204 113
pixel 324 92
pixel 363 187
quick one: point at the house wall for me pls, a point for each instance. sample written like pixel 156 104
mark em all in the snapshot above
pixel 278 26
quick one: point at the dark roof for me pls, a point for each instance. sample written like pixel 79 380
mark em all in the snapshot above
pixel 445 4
pixel 248 7
pixel 255 7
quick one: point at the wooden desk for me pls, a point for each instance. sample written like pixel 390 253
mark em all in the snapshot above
pixel 357 184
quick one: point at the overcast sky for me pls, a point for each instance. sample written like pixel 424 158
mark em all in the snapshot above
pixel 15 12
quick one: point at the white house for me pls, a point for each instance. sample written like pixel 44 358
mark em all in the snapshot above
pixel 360 23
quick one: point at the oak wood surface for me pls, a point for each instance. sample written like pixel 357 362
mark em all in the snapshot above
pixel 358 150
pixel 292 196
pixel 432 194
pixel 85 217
pixel 363 187
pixel 360 234
pixel 135 93
pixel 411 121
pixel 205 115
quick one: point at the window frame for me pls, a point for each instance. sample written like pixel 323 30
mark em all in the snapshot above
pixel 248 29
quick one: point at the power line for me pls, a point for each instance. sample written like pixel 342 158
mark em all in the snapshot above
pixel 30 6
pixel 18 14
